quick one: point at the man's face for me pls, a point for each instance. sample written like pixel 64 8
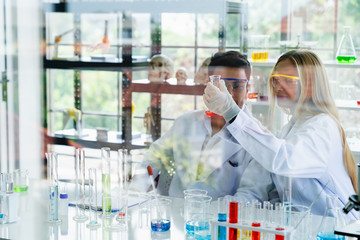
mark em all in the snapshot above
pixel 237 87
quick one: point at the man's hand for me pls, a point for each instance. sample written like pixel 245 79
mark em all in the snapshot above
pixel 220 101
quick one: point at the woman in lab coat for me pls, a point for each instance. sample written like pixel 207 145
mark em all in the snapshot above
pixel 312 148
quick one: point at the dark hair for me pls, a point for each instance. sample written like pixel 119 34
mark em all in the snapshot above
pixel 233 59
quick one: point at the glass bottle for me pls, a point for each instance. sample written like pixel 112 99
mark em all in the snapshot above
pixel 346 51
pixel 329 221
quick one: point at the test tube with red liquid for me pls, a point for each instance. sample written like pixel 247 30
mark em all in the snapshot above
pixel 233 218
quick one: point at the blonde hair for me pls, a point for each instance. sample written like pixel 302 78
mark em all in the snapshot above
pixel 315 98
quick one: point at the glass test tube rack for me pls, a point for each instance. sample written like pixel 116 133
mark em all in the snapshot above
pixel 287 232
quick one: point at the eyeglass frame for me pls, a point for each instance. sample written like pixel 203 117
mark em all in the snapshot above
pixel 242 88
pixel 274 85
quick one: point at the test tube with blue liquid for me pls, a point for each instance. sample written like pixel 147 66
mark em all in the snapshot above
pixel 221 218
pixel 52 176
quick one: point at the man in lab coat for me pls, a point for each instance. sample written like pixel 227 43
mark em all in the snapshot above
pixel 198 151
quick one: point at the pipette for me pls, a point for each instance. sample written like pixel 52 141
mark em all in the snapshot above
pixel 151 175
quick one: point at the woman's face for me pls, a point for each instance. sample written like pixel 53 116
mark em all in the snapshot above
pixel 285 82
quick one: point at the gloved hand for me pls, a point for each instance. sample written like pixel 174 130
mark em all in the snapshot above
pixel 220 101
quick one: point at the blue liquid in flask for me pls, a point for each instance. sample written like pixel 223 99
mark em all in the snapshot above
pixel 189 227
pixel 160 225
pixel 329 236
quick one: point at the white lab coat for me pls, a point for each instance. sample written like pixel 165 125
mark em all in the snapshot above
pixel 309 150
pixel 188 144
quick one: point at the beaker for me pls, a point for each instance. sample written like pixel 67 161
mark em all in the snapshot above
pixel 194 204
pixel 260 48
pixel 300 221
pixel 202 223
pixel 346 51
pixel 160 214
pixel 329 221
pixel 21 180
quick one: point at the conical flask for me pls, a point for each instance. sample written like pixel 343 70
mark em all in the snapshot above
pixel 330 221
pixel 346 51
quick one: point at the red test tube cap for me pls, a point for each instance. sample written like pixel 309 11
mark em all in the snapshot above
pixel 233 212
pixel 150 171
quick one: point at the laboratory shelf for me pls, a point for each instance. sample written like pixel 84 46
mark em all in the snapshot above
pixel 165 88
pixel 92 65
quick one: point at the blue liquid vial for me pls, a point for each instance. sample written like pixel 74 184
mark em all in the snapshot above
pixel 160 225
pixel 329 236
pixel 222 229
pixel 202 231
pixel 189 227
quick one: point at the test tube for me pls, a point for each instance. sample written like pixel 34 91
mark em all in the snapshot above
pixel 52 176
pixel 80 185
pixel 255 235
pixel 122 169
pixel 221 218
pixel 214 79
pixel 287 200
pixel 233 218
pixel 106 187
pixel 279 220
pixel 93 200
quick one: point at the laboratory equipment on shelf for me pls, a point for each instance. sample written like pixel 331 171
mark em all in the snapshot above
pixel 260 46
pixel 9 199
pixel 214 79
pixel 106 186
pixel 346 51
pixel 329 221
pixel 93 200
pixel 52 176
pixel 80 185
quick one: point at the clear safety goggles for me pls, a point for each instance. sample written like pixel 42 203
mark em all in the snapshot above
pixel 235 84
pixel 286 81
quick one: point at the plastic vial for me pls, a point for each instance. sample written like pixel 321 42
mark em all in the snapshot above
pixel 346 51
pixel 63 204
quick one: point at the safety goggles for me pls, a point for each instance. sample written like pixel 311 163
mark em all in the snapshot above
pixel 235 84
pixel 286 81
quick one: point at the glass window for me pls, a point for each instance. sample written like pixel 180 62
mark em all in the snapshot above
pixel 181 35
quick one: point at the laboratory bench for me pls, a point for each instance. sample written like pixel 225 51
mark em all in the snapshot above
pixel 33 221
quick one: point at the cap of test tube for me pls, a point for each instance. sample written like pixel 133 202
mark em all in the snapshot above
pixel 233 212
pixel 150 171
